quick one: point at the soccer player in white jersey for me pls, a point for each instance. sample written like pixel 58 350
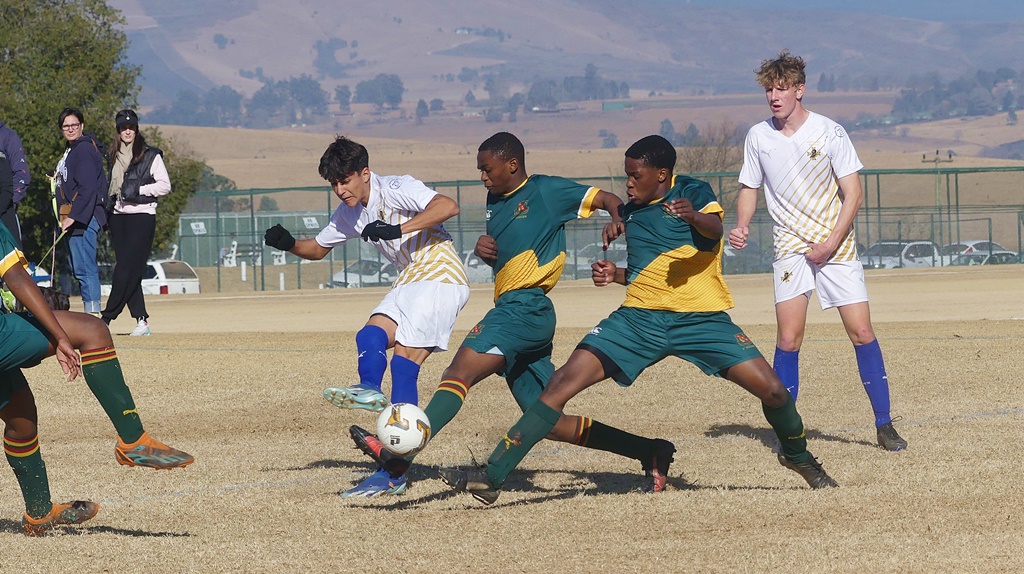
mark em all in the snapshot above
pixel 809 170
pixel 403 218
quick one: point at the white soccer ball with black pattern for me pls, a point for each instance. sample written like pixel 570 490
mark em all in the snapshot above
pixel 403 429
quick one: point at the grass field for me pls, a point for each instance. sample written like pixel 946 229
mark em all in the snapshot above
pixel 236 380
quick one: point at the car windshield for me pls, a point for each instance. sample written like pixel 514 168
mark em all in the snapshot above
pixel 954 249
pixel 363 267
pixel 884 250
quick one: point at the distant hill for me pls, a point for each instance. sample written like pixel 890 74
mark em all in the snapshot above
pixel 651 45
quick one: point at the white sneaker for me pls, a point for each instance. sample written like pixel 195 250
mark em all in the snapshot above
pixel 141 329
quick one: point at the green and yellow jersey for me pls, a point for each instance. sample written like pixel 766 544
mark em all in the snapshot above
pixel 528 225
pixel 9 252
pixel 670 266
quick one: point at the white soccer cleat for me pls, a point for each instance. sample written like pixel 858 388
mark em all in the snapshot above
pixel 141 329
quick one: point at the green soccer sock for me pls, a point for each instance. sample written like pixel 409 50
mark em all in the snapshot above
pixel 445 404
pixel 789 428
pixel 27 462
pixel 103 374
pixel 535 424
pixel 599 436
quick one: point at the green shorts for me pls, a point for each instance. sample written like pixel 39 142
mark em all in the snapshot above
pixel 520 327
pixel 634 339
pixel 23 344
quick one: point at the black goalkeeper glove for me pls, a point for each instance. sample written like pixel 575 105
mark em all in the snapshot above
pixel 279 238
pixel 379 230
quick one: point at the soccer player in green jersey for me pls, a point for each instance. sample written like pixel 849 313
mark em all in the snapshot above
pixel 525 244
pixel 675 306
pixel 25 340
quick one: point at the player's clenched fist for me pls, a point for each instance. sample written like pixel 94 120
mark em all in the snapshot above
pixel 738 237
pixel 279 238
pixel 603 273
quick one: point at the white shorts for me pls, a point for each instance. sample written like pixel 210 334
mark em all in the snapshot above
pixel 838 283
pixel 425 312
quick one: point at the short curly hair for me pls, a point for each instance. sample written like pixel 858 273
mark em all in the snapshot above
pixel 786 70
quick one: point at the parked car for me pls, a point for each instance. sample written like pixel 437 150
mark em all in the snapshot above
pixel 750 259
pixel 365 273
pixel 898 254
pixel 585 256
pixel 476 270
pixel 162 277
pixel 985 258
pixel 169 276
pixel 971 246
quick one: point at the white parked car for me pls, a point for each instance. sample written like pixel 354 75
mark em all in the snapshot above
pixel 585 256
pixel 162 277
pixel 898 254
pixel 986 258
pixel 365 273
pixel 972 246
pixel 169 276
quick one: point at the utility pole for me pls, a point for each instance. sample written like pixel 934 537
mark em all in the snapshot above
pixel 938 187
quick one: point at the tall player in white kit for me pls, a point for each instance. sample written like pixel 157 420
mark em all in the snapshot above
pixel 403 218
pixel 809 170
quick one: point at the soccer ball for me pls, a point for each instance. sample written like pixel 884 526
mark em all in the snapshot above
pixel 403 429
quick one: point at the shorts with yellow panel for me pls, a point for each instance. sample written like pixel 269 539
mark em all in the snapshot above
pixel 520 327
pixel 634 339
pixel 23 344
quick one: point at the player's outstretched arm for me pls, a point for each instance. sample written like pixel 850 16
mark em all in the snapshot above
pixel 280 238
pixel 613 205
pixel 25 290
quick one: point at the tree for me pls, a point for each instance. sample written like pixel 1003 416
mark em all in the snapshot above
pixel 470 98
pixel 383 91
pixel 422 110
pixel 55 54
pixel 437 105
pixel 344 96
pixel 185 172
pixel 224 106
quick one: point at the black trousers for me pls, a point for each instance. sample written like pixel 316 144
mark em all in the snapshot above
pixel 132 238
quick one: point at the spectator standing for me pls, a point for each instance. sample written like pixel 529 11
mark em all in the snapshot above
pixel 138 177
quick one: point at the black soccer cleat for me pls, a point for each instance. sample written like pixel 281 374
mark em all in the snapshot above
pixel 657 467
pixel 473 481
pixel 371 446
pixel 811 471
pixel 889 439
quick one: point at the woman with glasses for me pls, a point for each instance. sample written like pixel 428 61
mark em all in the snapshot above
pixel 138 177
pixel 81 193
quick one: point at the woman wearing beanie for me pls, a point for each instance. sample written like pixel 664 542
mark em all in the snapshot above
pixel 137 178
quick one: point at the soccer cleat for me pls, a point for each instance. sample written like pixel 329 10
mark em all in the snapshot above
pixel 141 330
pixel 473 481
pixel 376 484
pixel 657 468
pixel 811 471
pixel 395 465
pixel 75 512
pixel 356 397
pixel 147 451
pixel 889 439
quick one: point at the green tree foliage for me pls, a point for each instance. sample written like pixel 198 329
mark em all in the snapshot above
pixel 422 110
pixel 185 172
pixel 344 97
pixel 384 91
pixel 268 204
pixel 56 54
pixel 437 105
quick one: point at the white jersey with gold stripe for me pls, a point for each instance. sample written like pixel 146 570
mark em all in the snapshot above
pixel 424 255
pixel 800 174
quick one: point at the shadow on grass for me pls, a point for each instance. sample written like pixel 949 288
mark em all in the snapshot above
pixel 766 436
pixel 14 526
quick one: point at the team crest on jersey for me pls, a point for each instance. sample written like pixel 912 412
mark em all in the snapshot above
pixel 595 331
pixel 476 330
pixel 521 210
pixel 488 216
pixel 814 153
pixel 395 183
pixel 786 276
pixel 380 213
pixel 744 341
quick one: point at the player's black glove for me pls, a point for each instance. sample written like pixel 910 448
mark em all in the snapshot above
pixel 279 238
pixel 379 230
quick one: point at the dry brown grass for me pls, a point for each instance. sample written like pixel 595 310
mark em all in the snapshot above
pixel 236 378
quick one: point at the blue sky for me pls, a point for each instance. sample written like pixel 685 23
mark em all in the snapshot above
pixel 935 10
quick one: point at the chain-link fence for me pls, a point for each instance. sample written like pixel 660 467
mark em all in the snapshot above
pixel 222 232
